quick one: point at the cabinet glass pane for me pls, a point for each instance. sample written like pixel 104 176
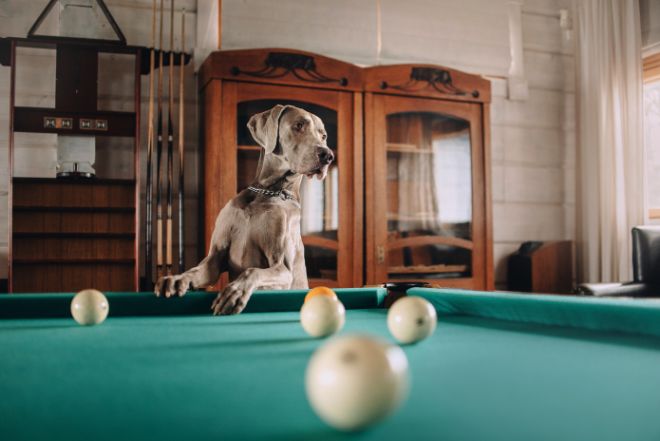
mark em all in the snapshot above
pixel 429 196
pixel 319 199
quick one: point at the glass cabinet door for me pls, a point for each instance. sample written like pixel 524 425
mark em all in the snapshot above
pixel 319 199
pixel 429 196
pixel 427 221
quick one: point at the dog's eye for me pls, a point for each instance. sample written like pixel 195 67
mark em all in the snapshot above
pixel 324 136
pixel 299 125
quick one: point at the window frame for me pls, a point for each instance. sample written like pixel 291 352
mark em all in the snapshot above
pixel 651 74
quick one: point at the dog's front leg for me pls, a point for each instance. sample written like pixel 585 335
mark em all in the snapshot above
pixel 235 296
pixel 208 270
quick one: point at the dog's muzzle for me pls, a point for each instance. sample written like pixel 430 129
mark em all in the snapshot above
pixel 325 155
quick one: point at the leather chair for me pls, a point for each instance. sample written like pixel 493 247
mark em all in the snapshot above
pixel 646 269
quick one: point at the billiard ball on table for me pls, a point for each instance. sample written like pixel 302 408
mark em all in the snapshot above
pixel 321 316
pixel 89 307
pixel 411 319
pixel 355 381
pixel 321 291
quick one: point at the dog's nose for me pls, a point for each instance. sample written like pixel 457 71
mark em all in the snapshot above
pixel 325 155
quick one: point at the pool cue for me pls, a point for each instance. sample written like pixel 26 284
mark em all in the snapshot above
pixel 170 147
pixel 181 140
pixel 159 152
pixel 150 148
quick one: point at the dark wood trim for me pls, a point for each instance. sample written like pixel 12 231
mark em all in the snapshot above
pixel 106 46
pixel 417 241
pixel 358 191
pixel 370 190
pixel 10 189
pixel 70 209
pixel 6 51
pixel 74 261
pixel 230 65
pixel 488 198
pixel 386 79
pixel 82 181
pixel 320 242
pixel 137 109
pixel 72 235
pixel 4 286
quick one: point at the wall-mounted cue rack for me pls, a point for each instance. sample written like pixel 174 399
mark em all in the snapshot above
pixel 69 234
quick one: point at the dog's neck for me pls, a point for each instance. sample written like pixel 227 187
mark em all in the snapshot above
pixel 274 175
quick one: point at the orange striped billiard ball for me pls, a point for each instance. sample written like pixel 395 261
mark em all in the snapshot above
pixel 321 291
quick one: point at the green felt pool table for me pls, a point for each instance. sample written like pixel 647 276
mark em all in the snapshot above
pixel 500 366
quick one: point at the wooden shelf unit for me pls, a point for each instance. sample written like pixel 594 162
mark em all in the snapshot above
pixel 88 241
pixel 66 235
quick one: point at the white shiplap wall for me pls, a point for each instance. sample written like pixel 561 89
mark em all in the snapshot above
pixel 533 141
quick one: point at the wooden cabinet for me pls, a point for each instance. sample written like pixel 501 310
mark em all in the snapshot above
pixel 68 235
pixel 425 201
pixel 428 210
pixel 234 85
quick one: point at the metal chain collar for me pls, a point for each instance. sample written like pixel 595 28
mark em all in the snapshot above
pixel 284 194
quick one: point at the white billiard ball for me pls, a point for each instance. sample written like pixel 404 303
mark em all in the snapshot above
pixel 89 307
pixel 321 316
pixel 411 319
pixel 355 381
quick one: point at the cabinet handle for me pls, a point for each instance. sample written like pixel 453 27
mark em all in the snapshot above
pixel 380 254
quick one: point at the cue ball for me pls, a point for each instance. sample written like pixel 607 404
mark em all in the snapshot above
pixel 321 316
pixel 355 381
pixel 321 291
pixel 411 319
pixel 89 307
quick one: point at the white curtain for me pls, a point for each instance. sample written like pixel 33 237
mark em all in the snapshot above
pixel 610 154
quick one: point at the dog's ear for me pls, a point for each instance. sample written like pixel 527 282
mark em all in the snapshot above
pixel 264 127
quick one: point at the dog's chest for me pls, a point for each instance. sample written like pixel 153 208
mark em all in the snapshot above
pixel 257 235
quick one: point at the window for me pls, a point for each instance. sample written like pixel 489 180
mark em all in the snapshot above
pixel 652 132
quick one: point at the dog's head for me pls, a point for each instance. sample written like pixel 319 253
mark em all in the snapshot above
pixel 297 137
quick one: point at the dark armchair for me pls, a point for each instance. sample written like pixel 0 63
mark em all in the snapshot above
pixel 646 268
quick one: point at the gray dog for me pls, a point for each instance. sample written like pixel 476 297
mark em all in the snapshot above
pixel 257 234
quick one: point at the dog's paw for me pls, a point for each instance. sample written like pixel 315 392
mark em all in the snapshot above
pixel 232 300
pixel 169 286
